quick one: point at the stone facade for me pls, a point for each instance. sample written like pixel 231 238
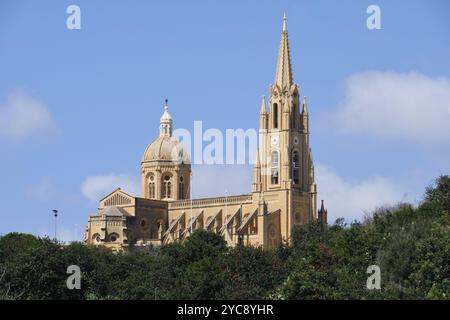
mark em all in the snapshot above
pixel 283 191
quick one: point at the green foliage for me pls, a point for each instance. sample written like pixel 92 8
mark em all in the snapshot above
pixel 252 273
pixel 202 244
pixel 411 245
pixel 439 193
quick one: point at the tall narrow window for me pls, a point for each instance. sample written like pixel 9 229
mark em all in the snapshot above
pixel 275 116
pixel 274 167
pixel 151 187
pixel 294 116
pixel 181 189
pixel 296 167
pixel 167 187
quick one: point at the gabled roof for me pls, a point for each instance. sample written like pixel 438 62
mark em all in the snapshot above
pixel 114 211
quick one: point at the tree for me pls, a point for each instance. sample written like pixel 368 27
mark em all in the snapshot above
pixel 411 245
pixel 439 192
pixel 202 244
pixel 252 273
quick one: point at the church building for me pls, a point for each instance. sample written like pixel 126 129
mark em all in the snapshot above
pixel 283 193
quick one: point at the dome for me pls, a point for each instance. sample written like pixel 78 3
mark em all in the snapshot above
pixel 166 148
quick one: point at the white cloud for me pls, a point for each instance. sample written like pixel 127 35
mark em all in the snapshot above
pixel 214 180
pixel 354 199
pixel 410 106
pixel 23 116
pixel 96 187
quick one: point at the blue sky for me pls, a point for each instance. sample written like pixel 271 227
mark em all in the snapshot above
pixel 90 100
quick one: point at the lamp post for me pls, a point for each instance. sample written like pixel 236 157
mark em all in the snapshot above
pixel 226 203
pixel 55 214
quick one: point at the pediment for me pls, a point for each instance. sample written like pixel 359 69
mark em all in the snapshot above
pixel 117 198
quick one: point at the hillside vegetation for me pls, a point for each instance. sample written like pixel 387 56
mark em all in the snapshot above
pixel 411 245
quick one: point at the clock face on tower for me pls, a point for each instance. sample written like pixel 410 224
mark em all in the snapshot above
pixel 296 141
pixel 274 140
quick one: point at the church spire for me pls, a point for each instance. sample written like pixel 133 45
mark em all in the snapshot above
pixel 256 187
pixel 257 161
pixel 323 214
pixel 305 107
pixel 283 75
pixel 263 106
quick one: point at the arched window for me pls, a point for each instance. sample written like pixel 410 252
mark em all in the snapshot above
pixel 164 129
pixel 181 188
pixel 296 167
pixel 151 187
pixel 96 238
pixel 275 116
pixel 167 187
pixel 274 167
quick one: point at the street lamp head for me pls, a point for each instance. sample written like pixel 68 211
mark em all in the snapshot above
pixel 55 212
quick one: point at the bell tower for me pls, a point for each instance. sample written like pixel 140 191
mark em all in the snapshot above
pixel 283 129
pixel 284 167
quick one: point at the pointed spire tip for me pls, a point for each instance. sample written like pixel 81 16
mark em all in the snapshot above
pixel 283 76
pixel 304 106
pixel 263 105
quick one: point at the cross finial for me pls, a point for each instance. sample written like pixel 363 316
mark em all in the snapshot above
pixel 284 22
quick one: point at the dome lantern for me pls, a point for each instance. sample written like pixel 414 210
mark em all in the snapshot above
pixel 165 123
